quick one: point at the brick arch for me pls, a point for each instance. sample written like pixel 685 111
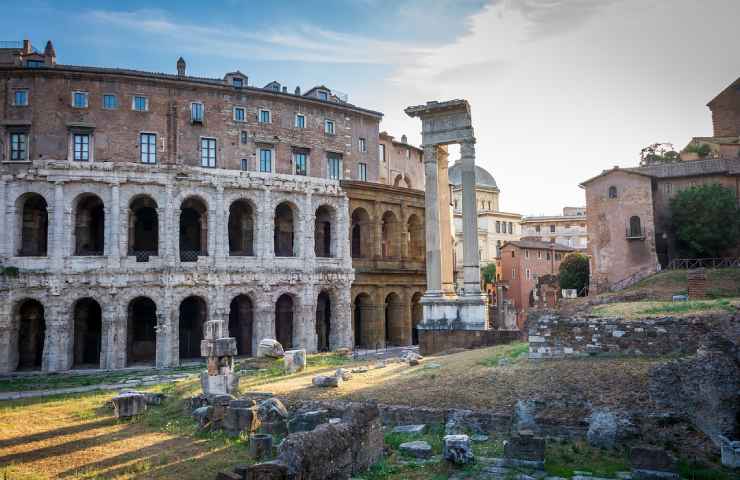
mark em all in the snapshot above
pixel 241 221
pixel 241 322
pixel 142 319
pixel 390 229
pixel 364 312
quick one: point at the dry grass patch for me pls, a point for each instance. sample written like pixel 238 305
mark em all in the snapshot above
pixel 653 309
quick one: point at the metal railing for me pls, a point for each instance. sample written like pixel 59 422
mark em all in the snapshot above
pixel 142 256
pixel 689 263
pixel 191 255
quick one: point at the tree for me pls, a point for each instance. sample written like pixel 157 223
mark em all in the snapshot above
pixel 489 273
pixel 706 220
pixel 658 153
pixel 574 272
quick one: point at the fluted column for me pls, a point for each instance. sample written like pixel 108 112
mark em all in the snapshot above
pixel 471 261
pixel 431 219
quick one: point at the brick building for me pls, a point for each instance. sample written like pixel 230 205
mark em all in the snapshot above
pixel 400 163
pixel 568 229
pixel 140 205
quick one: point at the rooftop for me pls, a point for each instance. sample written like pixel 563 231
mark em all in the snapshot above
pixel 535 244
pixel 482 177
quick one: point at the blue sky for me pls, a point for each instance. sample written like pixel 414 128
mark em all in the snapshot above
pixel 559 89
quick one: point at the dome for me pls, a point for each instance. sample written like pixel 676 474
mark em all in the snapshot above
pixel 482 177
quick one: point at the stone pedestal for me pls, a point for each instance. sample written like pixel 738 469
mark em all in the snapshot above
pixel 219 378
pixel 441 312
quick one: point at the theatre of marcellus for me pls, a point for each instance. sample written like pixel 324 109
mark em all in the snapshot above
pixel 137 205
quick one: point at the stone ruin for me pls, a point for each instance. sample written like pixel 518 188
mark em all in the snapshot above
pixel 219 378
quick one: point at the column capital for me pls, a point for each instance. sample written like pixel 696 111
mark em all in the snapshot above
pixel 467 147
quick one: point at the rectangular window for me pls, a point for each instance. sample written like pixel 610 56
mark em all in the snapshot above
pixel 334 167
pixel 196 112
pixel 110 102
pixel 498 226
pixel 34 63
pixel 240 114
pixel 264 116
pixel 18 146
pixel 20 98
pixel 140 103
pixel 265 160
pixel 362 145
pixel 244 137
pixel 511 227
pixel 237 82
pixel 539 254
pixel 148 148
pixel 362 172
pixel 529 274
pixel 81 147
pixel 323 95
pixel 300 159
pixel 381 152
pixel 244 164
pixel 552 228
pixel 207 152
pixel 79 99
pixel 329 127
pixel 513 273
pixel 526 253
pixel 300 121
pixel 537 229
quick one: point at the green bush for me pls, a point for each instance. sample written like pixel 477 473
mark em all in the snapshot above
pixel 574 271
pixel 489 274
pixel 701 149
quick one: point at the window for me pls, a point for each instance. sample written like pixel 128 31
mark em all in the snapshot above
pixel 511 227
pixel 300 121
pixel 148 147
pixel 240 114
pixel 244 137
pixel 334 168
pixel 81 147
pixel 140 103
pixel 244 164
pixel 635 230
pixel 323 95
pixel 34 63
pixel 612 192
pixel 539 254
pixel 381 152
pixel 548 255
pixel 526 253
pixel 362 145
pixel 408 153
pixel 264 116
pixel 329 127
pixel 18 146
pixel 498 226
pixel 362 172
pixel 668 188
pixel 537 228
pixel 237 82
pixel 300 159
pixel 207 152
pixel 110 101
pixel 196 112
pixel 79 99
pixel 529 274
pixel 552 228
pixel 20 98
pixel 513 254
pixel 265 160
pixel 513 272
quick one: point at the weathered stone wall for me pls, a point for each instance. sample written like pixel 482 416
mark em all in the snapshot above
pixel 552 336
pixel 434 341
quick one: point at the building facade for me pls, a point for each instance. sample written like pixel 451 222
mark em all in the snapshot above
pixel 569 229
pixel 400 164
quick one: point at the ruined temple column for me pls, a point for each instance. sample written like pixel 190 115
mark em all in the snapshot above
pixel 431 219
pixel 471 261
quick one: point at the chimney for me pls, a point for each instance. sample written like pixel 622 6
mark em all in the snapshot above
pixel 297 90
pixel 404 139
pixel 26 46
pixel 50 55
pixel 181 67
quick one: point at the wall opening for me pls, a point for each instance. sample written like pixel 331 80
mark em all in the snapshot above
pixel 323 231
pixel 241 324
pixel 393 319
pixel 417 315
pixel 390 230
pixel 193 314
pixel 89 226
pixel 284 311
pixel 193 230
pixel 141 332
pixel 284 231
pixel 88 331
pixel 362 320
pixel 241 229
pixel 143 229
pixel 31 335
pixel 415 237
pixel 361 235
pixel 323 321
pixel 34 226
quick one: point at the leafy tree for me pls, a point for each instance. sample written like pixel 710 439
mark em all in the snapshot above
pixel 489 273
pixel 658 153
pixel 574 271
pixel 706 220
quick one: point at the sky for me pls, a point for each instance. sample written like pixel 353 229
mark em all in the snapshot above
pixel 559 89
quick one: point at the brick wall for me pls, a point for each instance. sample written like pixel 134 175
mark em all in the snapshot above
pixel 435 341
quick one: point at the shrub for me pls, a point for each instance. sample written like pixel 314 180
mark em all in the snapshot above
pixel 574 271
pixel 489 273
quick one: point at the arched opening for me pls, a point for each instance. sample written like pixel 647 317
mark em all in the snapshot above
pixel 390 235
pixel 322 231
pixel 241 229
pixel 612 192
pixel 88 331
pixel 393 319
pixel 89 226
pixel 323 321
pixel 407 181
pixel 241 317
pixel 417 314
pixel 397 181
pixel 193 314
pixel 284 321
pixel 284 244
pixel 34 226
pixel 361 235
pixel 416 237
pixel 143 228
pixel 193 230
pixel 362 318
pixel 31 335
pixel 141 332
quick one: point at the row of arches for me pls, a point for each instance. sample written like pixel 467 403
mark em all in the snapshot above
pixel 393 235
pixel 141 329
pixel 143 228
pixel 394 325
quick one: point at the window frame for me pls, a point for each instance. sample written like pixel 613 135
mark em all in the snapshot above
pixel 115 101
pixel 362 145
pixel 332 130
pixel 362 171
pixel 244 164
pixel 269 115
pixel 330 157
pixel 26 93
pixel 242 109
pixel 73 146
pixel 133 103
pixel 84 94
pixel 260 151
pixel 208 149
pixel 193 110
pixel 322 95
pixel 149 152
pixel 25 143
pixel 302 116
pixel 295 156
pixel 234 81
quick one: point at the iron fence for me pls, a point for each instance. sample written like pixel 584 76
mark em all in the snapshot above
pixel 143 255
pixel 690 263
pixel 190 255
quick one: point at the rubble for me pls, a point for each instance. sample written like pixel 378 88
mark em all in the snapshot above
pixel 457 449
pixel 416 449
pixel 294 361
pixel 129 404
pixel 269 347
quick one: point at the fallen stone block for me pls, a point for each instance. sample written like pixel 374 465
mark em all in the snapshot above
pixel 344 351
pixel 294 361
pixel 607 428
pixel 129 405
pixel 260 446
pixel 525 446
pixel 270 348
pixel 416 449
pixel 410 429
pixel 457 449
pixel 202 415
pixel 730 452
pixel 225 475
pixel 360 370
pixel 325 381
pixel 238 420
pixel 307 421
pixel 224 384
pixel 649 463
pixel 224 347
pixel 344 374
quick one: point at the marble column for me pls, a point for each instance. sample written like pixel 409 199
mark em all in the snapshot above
pixel 431 219
pixel 471 261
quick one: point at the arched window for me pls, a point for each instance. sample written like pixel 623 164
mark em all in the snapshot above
pixel 193 230
pixel 143 229
pixel 31 335
pixel 322 232
pixel 362 321
pixel 361 246
pixel 89 226
pixel 193 315
pixel 34 226
pixel 416 237
pixel 241 229
pixel 635 230
pixel 88 329
pixel 241 320
pixel 284 321
pixel 390 235
pixel 141 332
pixel 612 192
pixel 323 321
pixel 284 237
pixel 393 319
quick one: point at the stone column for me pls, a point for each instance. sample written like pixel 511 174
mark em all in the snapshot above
pixel 114 336
pixel 341 330
pixel 114 251
pixel 471 261
pixel 431 220
pixel 221 235
pixel 57 245
pixel 169 230
pixel 264 321
pixel 57 355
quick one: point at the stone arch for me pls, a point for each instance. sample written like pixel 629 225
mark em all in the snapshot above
pixel 390 235
pixel 361 235
pixel 31 340
pixel 393 319
pixel 143 228
pixel 33 225
pixel 362 319
pixel 284 229
pixel 407 181
pixel 417 315
pixel 193 229
pixel 141 331
pixel 193 315
pixel 241 323
pixel 89 225
pixel 415 230
pixel 88 333
pixel 285 313
pixel 323 321
pixel 241 228
pixel 397 181
pixel 325 231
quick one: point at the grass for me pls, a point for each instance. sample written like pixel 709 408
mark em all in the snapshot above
pixel 647 309
pixel 722 283
pixel 512 351
pixel 562 459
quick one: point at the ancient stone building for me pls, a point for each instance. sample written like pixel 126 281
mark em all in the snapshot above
pixel 138 205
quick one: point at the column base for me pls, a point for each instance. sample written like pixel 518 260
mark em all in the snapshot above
pixel 453 312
